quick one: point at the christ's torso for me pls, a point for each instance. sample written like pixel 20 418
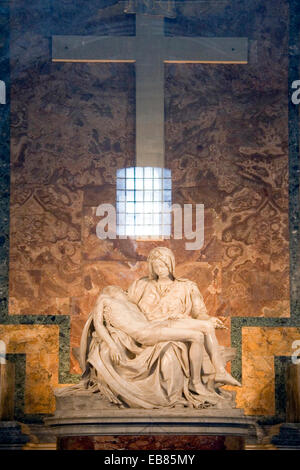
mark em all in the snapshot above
pixel 123 315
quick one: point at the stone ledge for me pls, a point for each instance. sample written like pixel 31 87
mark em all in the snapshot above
pixel 151 422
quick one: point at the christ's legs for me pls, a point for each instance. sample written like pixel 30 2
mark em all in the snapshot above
pixel 196 358
pixel 195 353
pixel 211 346
pixel 196 338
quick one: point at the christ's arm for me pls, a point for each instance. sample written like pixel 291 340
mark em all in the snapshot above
pixel 102 331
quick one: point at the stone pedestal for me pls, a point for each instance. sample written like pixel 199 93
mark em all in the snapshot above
pixel 82 422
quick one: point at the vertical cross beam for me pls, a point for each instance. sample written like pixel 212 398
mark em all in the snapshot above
pixel 150 141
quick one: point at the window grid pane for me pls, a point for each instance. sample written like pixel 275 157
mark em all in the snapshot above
pixel 144 198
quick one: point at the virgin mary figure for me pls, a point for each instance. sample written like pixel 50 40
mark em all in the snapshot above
pixel 160 374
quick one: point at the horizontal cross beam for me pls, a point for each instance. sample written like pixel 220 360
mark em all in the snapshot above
pixel 172 49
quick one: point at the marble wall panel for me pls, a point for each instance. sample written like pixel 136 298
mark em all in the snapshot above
pixel 248 192
pixel 79 130
pixel 226 143
pixel 259 347
pixel 57 163
pixel 45 249
pixel 40 344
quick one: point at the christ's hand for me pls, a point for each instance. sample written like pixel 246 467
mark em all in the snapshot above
pixel 115 353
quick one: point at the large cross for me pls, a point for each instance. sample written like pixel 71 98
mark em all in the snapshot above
pixel 150 49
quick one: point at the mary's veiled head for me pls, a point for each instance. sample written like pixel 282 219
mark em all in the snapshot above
pixel 164 255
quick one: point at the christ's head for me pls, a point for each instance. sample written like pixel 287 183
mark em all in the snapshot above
pixel 115 292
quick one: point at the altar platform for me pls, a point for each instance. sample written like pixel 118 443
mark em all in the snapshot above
pixel 82 422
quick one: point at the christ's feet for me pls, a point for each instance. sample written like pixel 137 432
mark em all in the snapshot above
pixel 225 378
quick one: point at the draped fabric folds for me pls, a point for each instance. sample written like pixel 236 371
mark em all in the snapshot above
pixel 148 376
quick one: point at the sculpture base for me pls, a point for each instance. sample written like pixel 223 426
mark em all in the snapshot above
pixel 87 422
